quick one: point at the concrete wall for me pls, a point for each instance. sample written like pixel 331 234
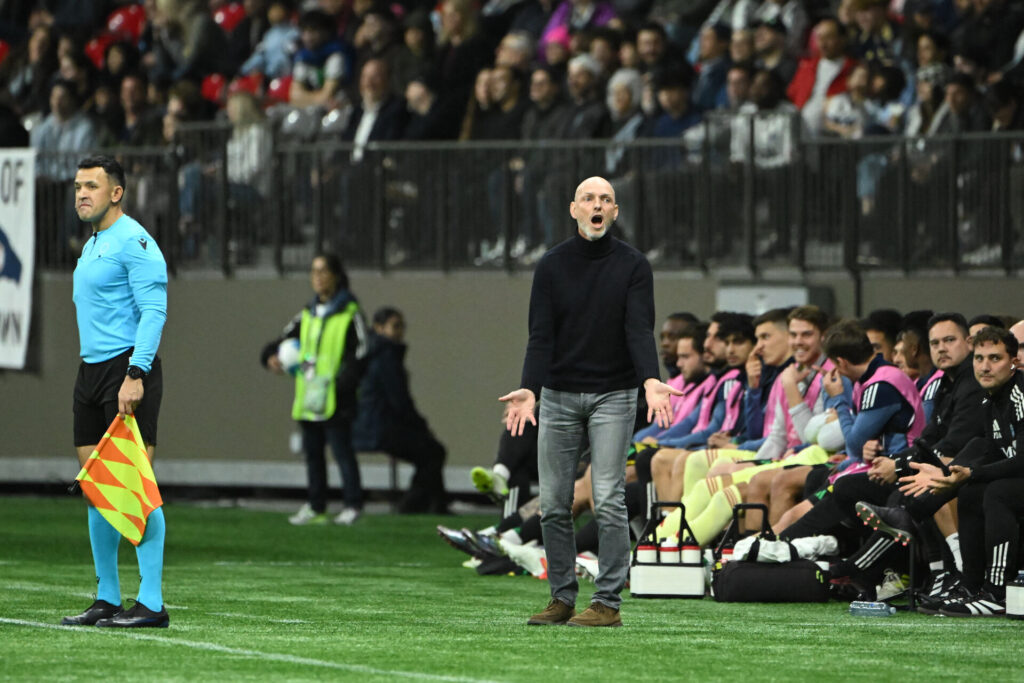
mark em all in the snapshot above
pixel 467 333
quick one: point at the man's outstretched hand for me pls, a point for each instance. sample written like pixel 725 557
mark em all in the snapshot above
pixel 659 404
pixel 519 405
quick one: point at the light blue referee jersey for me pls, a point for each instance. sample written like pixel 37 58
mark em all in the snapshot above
pixel 120 294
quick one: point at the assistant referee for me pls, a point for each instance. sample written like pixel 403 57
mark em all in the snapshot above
pixel 120 295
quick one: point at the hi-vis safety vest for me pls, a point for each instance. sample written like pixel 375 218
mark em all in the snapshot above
pixel 324 340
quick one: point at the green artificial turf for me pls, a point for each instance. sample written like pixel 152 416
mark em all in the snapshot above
pixel 252 598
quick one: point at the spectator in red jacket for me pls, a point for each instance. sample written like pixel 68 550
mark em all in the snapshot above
pixel 821 76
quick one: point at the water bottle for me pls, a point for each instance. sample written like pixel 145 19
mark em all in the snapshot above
pixel 669 551
pixel 1015 598
pixel 862 608
pixel 647 552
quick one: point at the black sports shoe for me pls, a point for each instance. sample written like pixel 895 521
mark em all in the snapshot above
pixel 137 616
pixel 893 521
pixel 101 609
pixel 485 544
pixel 933 604
pixel 981 604
pixel 458 540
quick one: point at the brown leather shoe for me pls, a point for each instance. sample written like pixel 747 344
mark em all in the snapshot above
pixel 555 614
pixel 598 614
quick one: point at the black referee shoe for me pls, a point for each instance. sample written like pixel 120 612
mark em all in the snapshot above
pixel 101 609
pixel 137 616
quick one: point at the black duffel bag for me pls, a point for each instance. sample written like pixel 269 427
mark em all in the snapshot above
pixel 748 580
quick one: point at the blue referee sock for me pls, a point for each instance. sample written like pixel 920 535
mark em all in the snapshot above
pixel 150 553
pixel 104 540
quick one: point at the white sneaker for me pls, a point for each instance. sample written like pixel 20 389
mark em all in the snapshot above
pixel 348 516
pixel 892 586
pixel 305 516
pixel 530 557
pixel 586 566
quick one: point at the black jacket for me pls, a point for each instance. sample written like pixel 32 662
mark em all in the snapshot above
pixel 384 400
pixel 1004 427
pixel 958 417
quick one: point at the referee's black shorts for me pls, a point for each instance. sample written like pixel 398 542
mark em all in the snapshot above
pixel 96 390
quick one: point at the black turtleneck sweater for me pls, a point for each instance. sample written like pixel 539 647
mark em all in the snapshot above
pixel 591 319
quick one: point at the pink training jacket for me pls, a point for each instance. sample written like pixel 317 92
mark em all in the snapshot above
pixel 730 375
pixel 693 394
pixel 903 384
pixel 777 399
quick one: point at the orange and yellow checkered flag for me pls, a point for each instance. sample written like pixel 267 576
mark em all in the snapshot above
pixel 119 481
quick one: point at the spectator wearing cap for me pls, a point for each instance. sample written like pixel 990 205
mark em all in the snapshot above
pixel 375 39
pixel 822 75
pixel 589 117
pixel 770 49
pixel 875 37
pixel 272 56
pixel 417 47
pixel 712 68
pixel 573 16
pixel 792 16
pixel 323 63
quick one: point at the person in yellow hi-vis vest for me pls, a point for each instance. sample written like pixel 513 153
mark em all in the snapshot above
pixel 332 345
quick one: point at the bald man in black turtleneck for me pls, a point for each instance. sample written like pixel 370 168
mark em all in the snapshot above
pixel 591 346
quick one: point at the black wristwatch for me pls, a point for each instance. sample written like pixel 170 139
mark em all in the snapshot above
pixel 135 372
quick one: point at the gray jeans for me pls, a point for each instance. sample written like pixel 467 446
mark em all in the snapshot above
pixel 608 419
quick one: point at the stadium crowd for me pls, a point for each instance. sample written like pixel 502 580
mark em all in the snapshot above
pixel 907 423
pixel 77 75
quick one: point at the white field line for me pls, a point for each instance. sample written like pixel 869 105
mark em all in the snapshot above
pixel 255 654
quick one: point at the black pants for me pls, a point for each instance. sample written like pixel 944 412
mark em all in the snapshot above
pixel 519 455
pixel 337 432
pixel 839 505
pixel 419 447
pixel 989 515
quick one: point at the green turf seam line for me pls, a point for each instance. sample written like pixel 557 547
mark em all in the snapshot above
pixel 270 656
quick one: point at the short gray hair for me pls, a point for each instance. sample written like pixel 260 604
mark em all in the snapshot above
pixel 587 62
pixel 630 78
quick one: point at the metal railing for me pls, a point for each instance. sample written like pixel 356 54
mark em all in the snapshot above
pixel 735 192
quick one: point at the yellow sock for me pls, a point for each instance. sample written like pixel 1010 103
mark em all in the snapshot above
pixel 697 465
pixel 700 496
pixel 716 515
pixel 669 526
